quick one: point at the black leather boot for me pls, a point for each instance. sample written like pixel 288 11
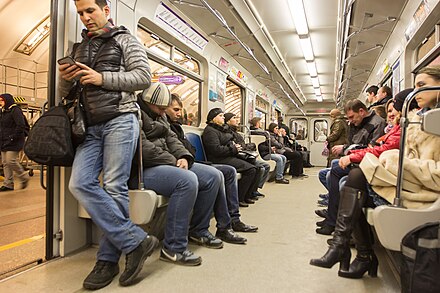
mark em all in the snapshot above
pixel 366 260
pixel 350 206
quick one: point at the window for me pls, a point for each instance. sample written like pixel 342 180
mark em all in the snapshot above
pixel 180 72
pixel 234 99
pixel 262 115
pixel 426 46
pixel 298 127
pixel 320 130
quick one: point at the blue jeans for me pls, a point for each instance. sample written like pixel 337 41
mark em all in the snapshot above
pixel 210 182
pixel 181 187
pixel 265 175
pixel 280 161
pixel 231 189
pixel 324 176
pixel 109 147
pixel 336 174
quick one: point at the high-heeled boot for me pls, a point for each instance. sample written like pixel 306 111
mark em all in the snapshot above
pixel 366 260
pixel 350 205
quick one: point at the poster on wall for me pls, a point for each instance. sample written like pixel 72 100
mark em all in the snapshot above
pixel 250 104
pixel 212 95
pixel 221 86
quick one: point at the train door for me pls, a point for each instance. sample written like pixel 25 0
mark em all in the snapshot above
pixel 319 128
pixel 25 211
pixel 299 130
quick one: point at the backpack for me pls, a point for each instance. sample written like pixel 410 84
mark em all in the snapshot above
pixel 420 269
pixel 49 141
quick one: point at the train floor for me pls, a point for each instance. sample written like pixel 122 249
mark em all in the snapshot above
pixel 276 259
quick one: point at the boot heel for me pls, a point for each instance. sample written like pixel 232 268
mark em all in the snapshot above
pixel 344 264
pixel 372 271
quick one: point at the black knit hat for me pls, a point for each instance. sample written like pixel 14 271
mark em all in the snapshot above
pixel 228 116
pixel 400 98
pixel 212 113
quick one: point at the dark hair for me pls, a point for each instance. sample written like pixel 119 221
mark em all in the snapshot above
pixel 355 106
pixel 176 97
pixel 100 3
pixel 381 111
pixel 387 90
pixel 372 89
pixel 272 126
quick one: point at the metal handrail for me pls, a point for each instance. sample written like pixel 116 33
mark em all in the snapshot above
pixel 404 122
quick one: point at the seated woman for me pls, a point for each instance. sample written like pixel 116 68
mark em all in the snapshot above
pixel 296 162
pixel 422 156
pixel 220 149
pixel 263 149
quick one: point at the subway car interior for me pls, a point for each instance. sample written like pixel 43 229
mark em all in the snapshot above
pixel 291 62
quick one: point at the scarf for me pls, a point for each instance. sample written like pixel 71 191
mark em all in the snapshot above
pixel 108 26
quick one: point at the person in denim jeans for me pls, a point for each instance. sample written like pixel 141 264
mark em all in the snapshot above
pixel 120 68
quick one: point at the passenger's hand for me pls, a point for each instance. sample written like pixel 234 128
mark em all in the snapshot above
pixel 238 146
pixel 88 75
pixel 68 72
pixel 182 164
pixel 337 149
pixel 273 149
pixel 344 162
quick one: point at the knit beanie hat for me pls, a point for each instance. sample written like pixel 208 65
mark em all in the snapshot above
pixel 157 94
pixel 228 116
pixel 214 112
pixel 400 98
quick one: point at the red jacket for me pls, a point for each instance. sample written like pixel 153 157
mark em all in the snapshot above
pixel 389 141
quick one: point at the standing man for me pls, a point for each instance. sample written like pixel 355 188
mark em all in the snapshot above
pixel 338 134
pixel 112 133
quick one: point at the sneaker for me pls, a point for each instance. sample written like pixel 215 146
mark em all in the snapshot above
pixel 282 181
pixel 323 202
pixel 186 258
pixel 4 188
pixel 134 261
pixel 207 240
pixel 101 275
pixel 242 227
pixel 228 235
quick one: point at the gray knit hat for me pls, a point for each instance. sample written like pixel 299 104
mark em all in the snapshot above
pixel 157 94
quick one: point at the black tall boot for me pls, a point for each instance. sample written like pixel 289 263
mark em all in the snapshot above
pixel 350 207
pixel 365 259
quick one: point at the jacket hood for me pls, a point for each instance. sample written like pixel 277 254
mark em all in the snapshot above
pixel 9 100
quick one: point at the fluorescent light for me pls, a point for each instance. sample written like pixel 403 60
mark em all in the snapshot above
pixel 318 91
pixel 299 16
pixel 315 81
pixel 319 98
pixel 35 37
pixel 311 66
pixel 306 46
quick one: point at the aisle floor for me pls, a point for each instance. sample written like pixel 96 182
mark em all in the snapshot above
pixel 276 259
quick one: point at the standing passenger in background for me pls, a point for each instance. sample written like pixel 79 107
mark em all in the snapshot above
pixel 281 125
pixel 12 136
pixel 112 132
pixel 338 134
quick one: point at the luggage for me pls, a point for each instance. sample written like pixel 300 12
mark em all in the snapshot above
pixel 420 270
pixel 50 142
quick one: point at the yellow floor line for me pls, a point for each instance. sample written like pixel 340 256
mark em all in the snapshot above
pixel 21 242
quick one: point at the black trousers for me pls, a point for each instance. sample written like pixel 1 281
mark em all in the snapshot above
pixel 296 162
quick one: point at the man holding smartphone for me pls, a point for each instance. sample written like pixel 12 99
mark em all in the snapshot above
pixel 112 133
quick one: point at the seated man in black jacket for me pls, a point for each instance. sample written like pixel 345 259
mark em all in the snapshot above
pixel 264 168
pixel 226 207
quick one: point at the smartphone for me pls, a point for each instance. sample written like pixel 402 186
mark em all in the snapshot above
pixel 66 60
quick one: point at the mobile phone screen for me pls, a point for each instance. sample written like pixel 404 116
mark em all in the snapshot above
pixel 66 60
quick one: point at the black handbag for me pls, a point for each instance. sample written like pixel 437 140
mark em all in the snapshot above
pixel 76 114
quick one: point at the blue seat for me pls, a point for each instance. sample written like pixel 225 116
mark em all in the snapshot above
pixel 196 141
